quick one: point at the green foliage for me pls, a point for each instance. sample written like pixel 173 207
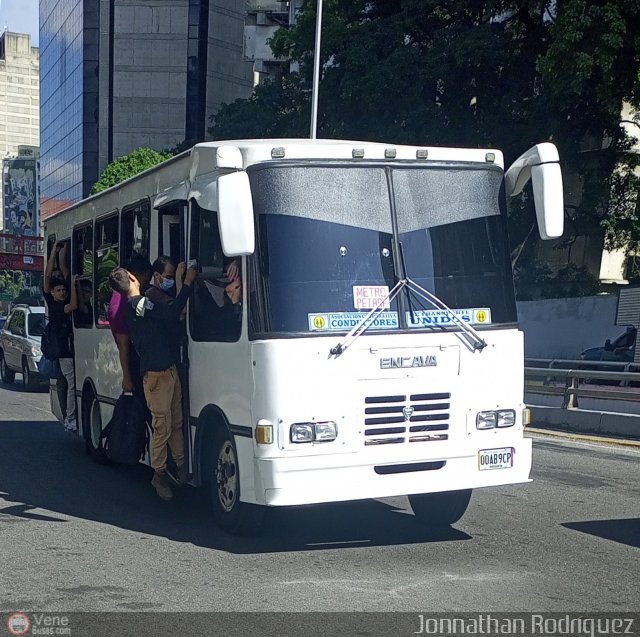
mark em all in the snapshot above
pixel 107 261
pixel 12 282
pixel 125 167
pixel 276 109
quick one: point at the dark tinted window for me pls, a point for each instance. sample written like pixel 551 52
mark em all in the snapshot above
pixel 325 238
pixel 135 222
pixel 18 322
pixel 83 259
pixel 36 323
pixel 107 258
pixel 454 237
pixel 216 304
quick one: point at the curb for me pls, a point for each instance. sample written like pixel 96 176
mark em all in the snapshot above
pixel 620 442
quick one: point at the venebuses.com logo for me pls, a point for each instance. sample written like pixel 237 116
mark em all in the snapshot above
pixel 18 624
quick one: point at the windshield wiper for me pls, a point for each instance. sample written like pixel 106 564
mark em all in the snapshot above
pixel 364 324
pixel 476 342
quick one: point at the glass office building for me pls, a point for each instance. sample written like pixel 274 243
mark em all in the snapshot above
pixel 61 112
pixel 117 75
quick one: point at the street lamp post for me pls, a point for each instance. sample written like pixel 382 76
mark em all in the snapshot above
pixel 316 72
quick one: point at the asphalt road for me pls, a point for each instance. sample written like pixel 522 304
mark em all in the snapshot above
pixel 75 536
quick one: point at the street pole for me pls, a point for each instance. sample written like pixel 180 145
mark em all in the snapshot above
pixel 316 72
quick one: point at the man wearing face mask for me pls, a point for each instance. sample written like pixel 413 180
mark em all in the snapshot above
pixel 164 286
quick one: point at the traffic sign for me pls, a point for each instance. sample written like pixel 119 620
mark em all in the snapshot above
pixel 6 297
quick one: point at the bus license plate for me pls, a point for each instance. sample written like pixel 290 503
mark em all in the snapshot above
pixel 495 458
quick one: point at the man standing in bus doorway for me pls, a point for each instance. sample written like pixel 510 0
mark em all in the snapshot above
pixel 165 283
pixel 59 309
pixel 153 326
pixel 140 267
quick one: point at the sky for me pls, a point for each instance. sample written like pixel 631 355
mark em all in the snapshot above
pixel 20 16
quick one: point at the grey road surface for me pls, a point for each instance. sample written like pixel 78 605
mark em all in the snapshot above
pixel 75 536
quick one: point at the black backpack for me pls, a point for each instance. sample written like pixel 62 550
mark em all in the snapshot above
pixel 127 434
pixel 50 343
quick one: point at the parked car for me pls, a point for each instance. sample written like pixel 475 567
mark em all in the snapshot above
pixel 20 341
pixel 621 350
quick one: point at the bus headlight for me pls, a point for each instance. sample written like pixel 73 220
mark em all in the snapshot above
pixel 313 432
pixel 492 419
pixel 326 431
pixel 486 420
pixel 506 418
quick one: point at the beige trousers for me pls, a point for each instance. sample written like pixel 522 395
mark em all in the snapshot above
pixel 164 398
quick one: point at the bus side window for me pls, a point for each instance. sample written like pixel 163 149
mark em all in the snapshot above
pixel 134 234
pixel 216 304
pixel 83 267
pixel 171 230
pixel 107 258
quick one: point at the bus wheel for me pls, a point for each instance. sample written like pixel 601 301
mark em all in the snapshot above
pixel 29 379
pixel 92 428
pixel 235 517
pixel 7 375
pixel 440 509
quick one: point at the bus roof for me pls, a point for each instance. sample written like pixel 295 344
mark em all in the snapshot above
pixel 201 160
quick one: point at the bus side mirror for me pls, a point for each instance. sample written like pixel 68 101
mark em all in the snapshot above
pixel 235 214
pixel 541 165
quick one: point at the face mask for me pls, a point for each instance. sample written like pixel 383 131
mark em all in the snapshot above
pixel 167 284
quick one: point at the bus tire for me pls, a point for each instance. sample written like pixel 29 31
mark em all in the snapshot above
pixel 231 515
pixel 30 379
pixel 92 428
pixel 440 509
pixel 7 375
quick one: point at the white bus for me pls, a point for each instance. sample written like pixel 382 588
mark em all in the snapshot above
pixel 375 351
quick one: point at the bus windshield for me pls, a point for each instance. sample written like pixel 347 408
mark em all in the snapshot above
pixel 332 239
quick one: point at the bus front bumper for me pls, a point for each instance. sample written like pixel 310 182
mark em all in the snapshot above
pixel 317 479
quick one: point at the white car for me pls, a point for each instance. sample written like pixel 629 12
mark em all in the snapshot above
pixel 20 345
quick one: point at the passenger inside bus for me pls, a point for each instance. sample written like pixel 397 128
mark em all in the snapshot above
pixel 217 305
pixel 84 313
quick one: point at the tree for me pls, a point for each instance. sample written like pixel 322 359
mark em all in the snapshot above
pixel 12 282
pixel 495 73
pixel 127 166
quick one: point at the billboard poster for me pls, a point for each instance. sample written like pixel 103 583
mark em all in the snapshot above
pixel 20 184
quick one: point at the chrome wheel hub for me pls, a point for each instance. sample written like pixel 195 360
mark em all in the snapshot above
pixel 227 477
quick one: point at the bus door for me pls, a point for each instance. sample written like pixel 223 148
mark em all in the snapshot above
pixel 171 242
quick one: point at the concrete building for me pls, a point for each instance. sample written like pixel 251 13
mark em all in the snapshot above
pixel 120 74
pixel 19 97
pixel 264 18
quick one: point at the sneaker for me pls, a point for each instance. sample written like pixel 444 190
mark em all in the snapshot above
pixel 160 484
pixel 71 425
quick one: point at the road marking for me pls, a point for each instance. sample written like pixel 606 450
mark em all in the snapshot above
pixel 620 442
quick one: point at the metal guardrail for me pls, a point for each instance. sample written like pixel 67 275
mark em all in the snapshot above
pixel 567 378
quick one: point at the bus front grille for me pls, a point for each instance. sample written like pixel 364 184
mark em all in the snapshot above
pixel 398 419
